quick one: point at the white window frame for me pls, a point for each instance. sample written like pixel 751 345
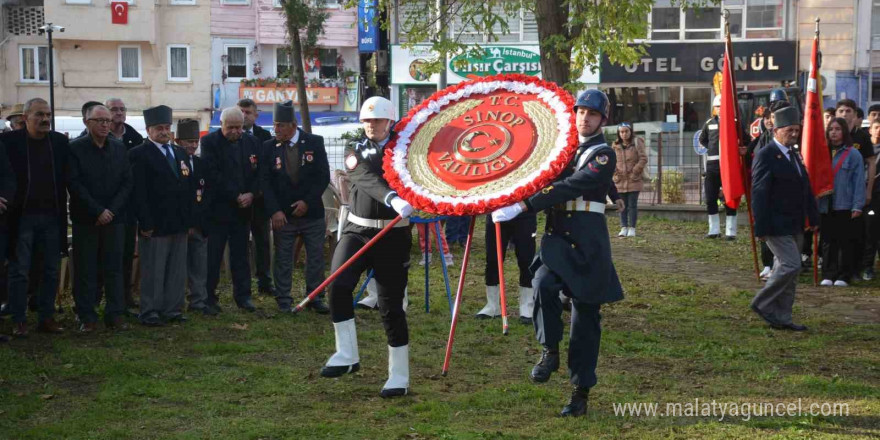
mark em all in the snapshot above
pixel 181 2
pixel 278 52
pixel 36 66
pixel 130 2
pixel 247 61
pixel 744 8
pixel 188 76
pixel 78 2
pixel 276 3
pixel 235 2
pixel 120 78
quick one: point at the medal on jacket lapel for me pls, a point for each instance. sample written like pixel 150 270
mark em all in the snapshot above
pixel 199 195
pixel 277 162
pixel 253 160
pixel 184 170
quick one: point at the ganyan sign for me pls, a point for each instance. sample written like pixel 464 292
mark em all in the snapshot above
pixel 769 61
pixel 271 95
pixel 408 64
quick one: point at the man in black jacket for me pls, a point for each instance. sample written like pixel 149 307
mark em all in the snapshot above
pixel 7 193
pixel 260 220
pixel 38 216
pixel 100 185
pixel 162 205
pixel 197 241
pixel 294 176
pixel 231 160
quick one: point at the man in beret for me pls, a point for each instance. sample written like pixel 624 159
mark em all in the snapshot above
pixel 294 176
pixel 782 202
pixel 162 204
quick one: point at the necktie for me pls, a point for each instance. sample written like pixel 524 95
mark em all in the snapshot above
pixel 170 156
pixel 192 162
pixel 792 156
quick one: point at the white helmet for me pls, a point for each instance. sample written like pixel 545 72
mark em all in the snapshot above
pixel 717 101
pixel 377 107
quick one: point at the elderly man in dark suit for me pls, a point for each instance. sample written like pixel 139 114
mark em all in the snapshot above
pixel 162 206
pixel 232 169
pixel 38 217
pixel 782 202
pixel 100 185
pixel 197 241
pixel 7 193
pixel 294 176
pixel 260 221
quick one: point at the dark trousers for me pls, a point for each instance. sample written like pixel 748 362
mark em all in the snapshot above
pixel 521 231
pixel 4 242
pixel 586 331
pixel 457 229
pixel 389 259
pixel 630 213
pixel 838 231
pixel 872 232
pixel 712 184
pixel 128 263
pixel 766 255
pixel 40 233
pixel 98 248
pixel 260 231
pixel 236 234
pixel 312 231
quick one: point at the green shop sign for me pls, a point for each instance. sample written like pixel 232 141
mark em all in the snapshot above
pixel 497 60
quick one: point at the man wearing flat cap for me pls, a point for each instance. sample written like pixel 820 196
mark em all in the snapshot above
pixel 197 240
pixel 782 202
pixel 162 204
pixel 294 176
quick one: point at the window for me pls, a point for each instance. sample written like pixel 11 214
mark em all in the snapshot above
pixel 702 24
pixel 235 2
pixel 178 62
pixel 282 62
pixel 529 26
pixel 328 63
pixel 875 24
pixel 665 21
pixel 764 19
pixel 78 2
pixel 756 19
pixel 34 63
pixel 182 2
pixel 130 63
pixel 236 62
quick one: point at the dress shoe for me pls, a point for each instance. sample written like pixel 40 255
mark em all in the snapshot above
pixel 5 338
pixel 525 320
pixel 4 309
pixel 547 365
pixel 318 306
pixel 339 370
pixel 152 321
pixel 178 319
pixel 49 326
pixel 19 330
pixel 764 316
pixel 577 404
pixel 790 326
pixel 841 283
pixel 285 309
pixel 826 283
pixel 118 323
pixel 265 291
pixel 87 327
pixel 212 309
pixel 392 392
pixel 247 305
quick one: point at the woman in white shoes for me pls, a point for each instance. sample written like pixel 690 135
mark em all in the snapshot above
pixel 373 206
pixel 840 209
pixel 631 161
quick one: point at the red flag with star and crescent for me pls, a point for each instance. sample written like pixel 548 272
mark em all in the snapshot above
pixel 817 161
pixel 729 135
pixel 119 11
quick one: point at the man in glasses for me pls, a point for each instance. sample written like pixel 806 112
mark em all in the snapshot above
pixel 100 185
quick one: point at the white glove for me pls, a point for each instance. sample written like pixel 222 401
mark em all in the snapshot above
pixel 402 207
pixel 506 213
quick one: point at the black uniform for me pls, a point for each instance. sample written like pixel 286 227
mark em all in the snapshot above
pixel 389 258
pixel 7 191
pixel 130 139
pixel 260 225
pixel 575 258
pixel 709 138
pixel 521 231
pixel 231 169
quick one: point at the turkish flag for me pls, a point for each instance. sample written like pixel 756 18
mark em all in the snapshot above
pixel 729 137
pixel 119 12
pixel 815 148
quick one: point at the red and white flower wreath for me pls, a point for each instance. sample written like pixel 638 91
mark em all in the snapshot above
pixel 559 101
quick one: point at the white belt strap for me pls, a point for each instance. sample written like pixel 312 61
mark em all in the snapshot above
pixel 708 158
pixel 373 223
pixel 584 206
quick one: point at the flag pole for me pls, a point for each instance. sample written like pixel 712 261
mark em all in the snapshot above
pixel 746 182
pixel 816 233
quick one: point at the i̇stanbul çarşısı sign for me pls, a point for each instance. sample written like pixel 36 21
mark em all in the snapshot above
pixel 482 144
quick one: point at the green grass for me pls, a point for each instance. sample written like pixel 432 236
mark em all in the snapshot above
pixel 673 339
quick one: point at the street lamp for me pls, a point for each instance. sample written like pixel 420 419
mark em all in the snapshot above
pixel 48 28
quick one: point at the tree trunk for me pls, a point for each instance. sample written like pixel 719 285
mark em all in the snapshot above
pixel 299 75
pixel 552 18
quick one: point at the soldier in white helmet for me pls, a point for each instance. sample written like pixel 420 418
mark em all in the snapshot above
pixel 373 206
pixel 709 138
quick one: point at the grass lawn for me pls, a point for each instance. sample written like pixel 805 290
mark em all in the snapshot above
pixel 684 332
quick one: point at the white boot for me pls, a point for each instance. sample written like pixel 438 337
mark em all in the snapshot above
pixel 730 227
pixel 630 232
pixel 346 358
pixel 714 226
pixel 526 304
pixel 493 303
pixel 371 300
pixel 766 272
pixel 398 372
pixel 623 232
